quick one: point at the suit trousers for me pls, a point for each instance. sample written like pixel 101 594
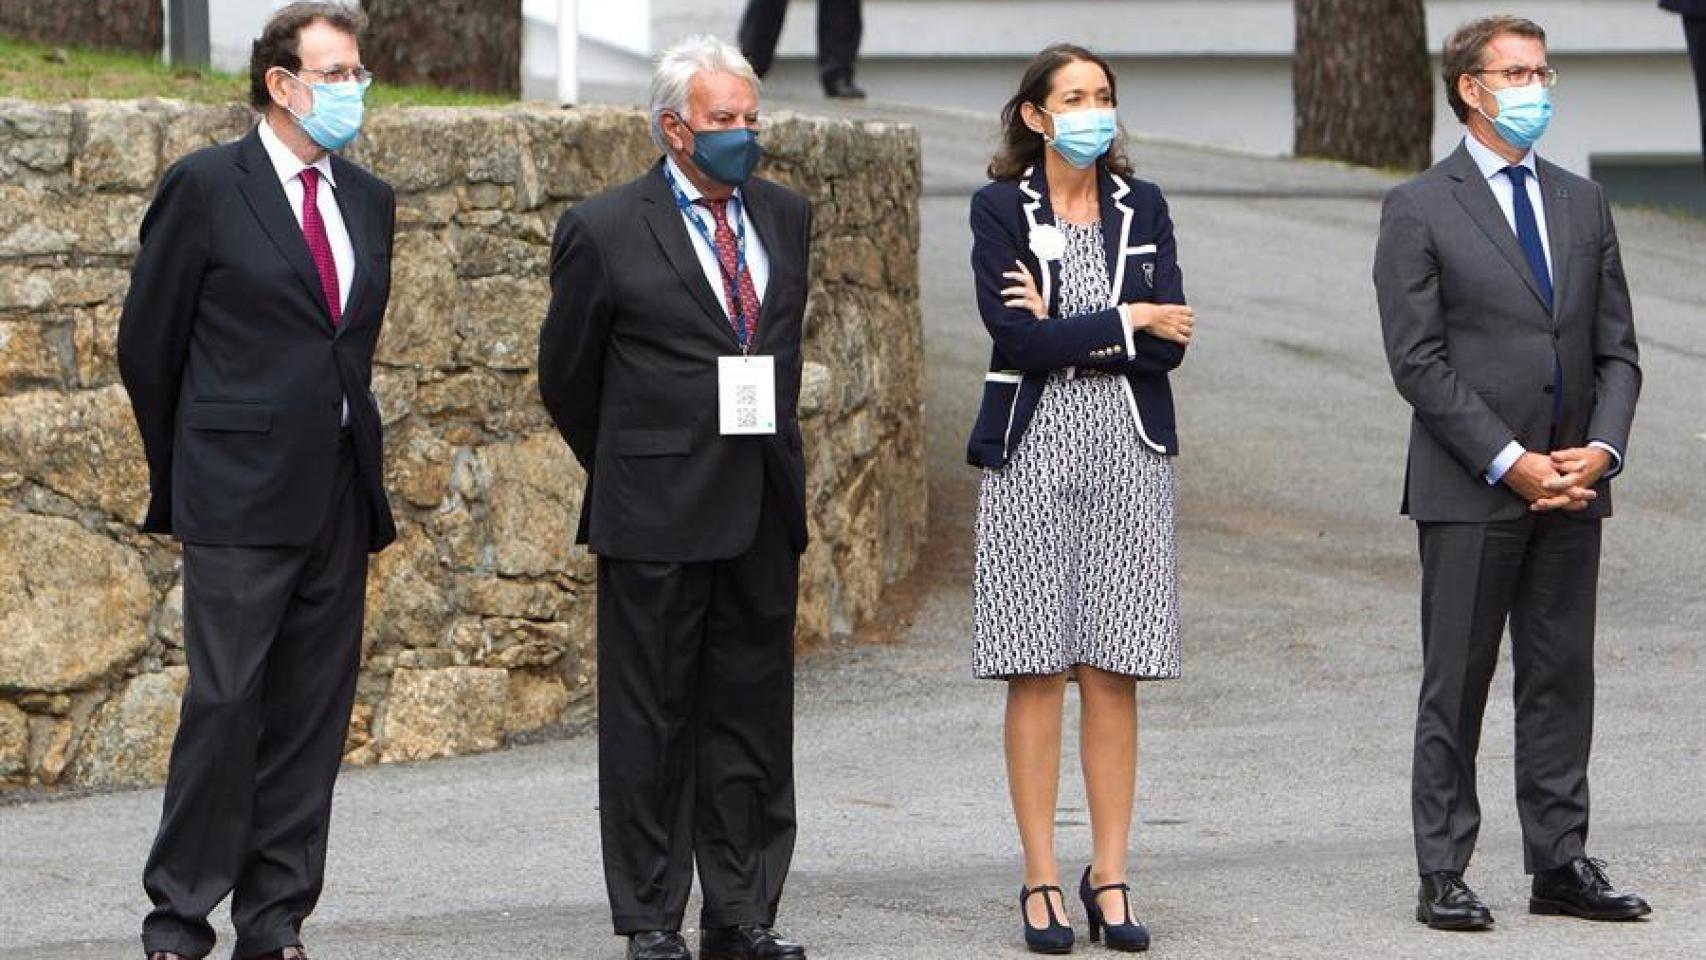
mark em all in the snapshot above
pixel 840 25
pixel 695 733
pixel 273 639
pixel 1541 572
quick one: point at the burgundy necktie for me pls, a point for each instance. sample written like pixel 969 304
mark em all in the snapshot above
pixel 319 247
pixel 728 252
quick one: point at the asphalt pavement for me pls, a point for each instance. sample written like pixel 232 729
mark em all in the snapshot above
pixel 1272 814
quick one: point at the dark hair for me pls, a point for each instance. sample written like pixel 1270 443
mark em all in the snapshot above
pixel 1021 147
pixel 1466 51
pixel 280 41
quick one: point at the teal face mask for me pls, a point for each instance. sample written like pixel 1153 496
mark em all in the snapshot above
pixel 1524 113
pixel 337 113
pixel 1082 136
pixel 726 156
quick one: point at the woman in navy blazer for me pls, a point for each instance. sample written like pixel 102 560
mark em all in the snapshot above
pixel 1079 286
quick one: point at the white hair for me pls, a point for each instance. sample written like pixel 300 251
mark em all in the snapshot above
pixel 676 68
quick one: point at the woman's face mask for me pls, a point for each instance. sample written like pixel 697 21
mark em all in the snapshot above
pixel 1081 137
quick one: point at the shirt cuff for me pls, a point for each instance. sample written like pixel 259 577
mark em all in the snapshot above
pixel 1616 458
pixel 1502 463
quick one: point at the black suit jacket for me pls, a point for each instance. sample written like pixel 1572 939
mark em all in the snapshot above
pixel 628 370
pixel 1688 8
pixel 1472 345
pixel 235 373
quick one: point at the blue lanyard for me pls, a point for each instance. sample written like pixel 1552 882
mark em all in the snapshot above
pixel 742 323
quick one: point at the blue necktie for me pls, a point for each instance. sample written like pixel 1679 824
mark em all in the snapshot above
pixel 1528 236
pixel 1528 231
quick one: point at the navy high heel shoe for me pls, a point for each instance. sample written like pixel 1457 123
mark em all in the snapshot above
pixel 1054 938
pixel 1130 936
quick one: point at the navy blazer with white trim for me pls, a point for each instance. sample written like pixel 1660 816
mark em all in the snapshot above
pixel 1142 266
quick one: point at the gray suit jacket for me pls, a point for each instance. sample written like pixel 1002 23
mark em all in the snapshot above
pixel 1472 345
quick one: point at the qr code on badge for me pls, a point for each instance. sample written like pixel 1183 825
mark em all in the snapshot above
pixel 746 406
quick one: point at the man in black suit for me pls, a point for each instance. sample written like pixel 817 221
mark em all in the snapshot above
pixel 1694 31
pixel 670 360
pixel 840 24
pixel 1509 331
pixel 247 345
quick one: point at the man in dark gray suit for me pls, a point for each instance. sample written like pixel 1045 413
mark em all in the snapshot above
pixel 1507 324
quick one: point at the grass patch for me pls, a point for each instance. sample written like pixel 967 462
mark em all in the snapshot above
pixel 36 71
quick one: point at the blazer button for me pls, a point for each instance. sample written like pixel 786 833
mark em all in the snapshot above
pixel 1546 389
pixel 1557 335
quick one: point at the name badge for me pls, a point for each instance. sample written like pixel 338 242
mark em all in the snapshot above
pixel 746 395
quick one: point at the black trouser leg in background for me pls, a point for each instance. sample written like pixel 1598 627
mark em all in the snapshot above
pixel 1694 28
pixel 760 27
pixel 840 25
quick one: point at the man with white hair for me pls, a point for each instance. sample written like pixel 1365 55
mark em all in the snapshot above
pixel 670 361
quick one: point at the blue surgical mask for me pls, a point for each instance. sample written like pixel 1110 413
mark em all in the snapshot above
pixel 1082 136
pixel 1524 113
pixel 726 156
pixel 335 118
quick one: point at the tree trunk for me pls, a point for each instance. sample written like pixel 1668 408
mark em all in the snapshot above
pixel 137 25
pixel 1362 82
pixel 456 44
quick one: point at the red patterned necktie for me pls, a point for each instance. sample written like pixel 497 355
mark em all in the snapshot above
pixel 319 247
pixel 728 252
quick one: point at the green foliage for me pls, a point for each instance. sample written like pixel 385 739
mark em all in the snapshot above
pixel 37 72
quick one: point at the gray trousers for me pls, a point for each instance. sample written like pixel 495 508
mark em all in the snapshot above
pixel 1541 573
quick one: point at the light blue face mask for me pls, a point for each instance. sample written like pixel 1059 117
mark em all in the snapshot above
pixel 1524 113
pixel 335 118
pixel 1082 136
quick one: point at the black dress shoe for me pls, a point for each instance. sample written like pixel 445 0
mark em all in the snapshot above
pixel 842 88
pixel 1445 902
pixel 658 945
pixel 1580 888
pixel 749 941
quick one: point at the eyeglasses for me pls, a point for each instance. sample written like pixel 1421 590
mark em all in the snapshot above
pixel 360 75
pixel 1523 76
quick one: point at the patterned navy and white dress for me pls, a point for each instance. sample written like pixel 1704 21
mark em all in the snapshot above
pixel 1077 558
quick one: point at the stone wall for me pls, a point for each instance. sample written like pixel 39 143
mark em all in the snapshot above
pixel 459 44
pixel 137 25
pixel 480 616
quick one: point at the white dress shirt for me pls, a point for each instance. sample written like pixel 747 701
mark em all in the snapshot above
pixel 1492 166
pixel 757 258
pixel 290 168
